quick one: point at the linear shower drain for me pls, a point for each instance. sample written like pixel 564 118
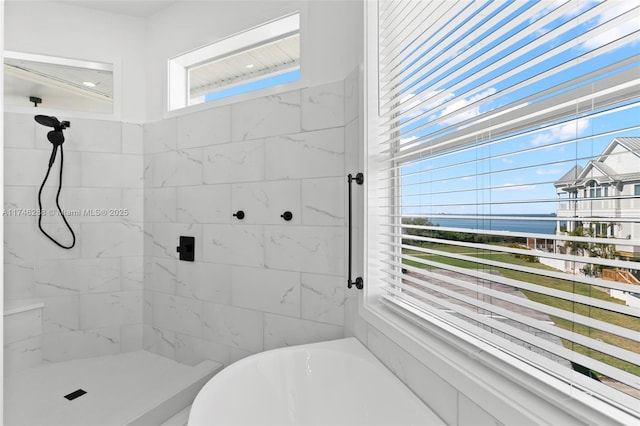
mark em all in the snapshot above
pixel 75 394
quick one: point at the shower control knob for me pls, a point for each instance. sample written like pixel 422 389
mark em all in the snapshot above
pixel 287 216
pixel 239 214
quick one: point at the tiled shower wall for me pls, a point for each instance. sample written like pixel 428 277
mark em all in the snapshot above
pixel 93 292
pixel 261 282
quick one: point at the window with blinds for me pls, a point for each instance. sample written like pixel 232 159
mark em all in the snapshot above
pixel 506 166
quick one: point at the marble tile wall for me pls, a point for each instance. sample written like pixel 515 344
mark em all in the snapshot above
pixel 93 292
pixel 261 282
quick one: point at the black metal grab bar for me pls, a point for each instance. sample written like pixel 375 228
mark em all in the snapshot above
pixel 359 283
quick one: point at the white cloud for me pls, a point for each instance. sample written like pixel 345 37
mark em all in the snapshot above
pixel 515 187
pixel 544 172
pixel 617 32
pixel 562 132
pixel 425 101
pixel 458 105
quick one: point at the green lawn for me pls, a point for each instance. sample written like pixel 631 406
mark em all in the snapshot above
pixel 565 285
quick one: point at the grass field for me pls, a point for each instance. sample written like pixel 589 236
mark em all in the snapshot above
pixel 565 285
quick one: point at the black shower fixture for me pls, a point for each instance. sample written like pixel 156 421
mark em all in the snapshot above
pixel 56 137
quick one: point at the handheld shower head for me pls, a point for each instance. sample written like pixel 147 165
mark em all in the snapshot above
pixel 55 136
pixel 45 120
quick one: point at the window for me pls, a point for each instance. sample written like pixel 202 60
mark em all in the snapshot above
pixel 482 116
pixel 636 189
pixel 259 58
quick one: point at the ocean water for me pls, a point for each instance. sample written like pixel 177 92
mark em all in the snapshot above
pixel 531 225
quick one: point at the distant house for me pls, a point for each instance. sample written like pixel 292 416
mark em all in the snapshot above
pixel 607 188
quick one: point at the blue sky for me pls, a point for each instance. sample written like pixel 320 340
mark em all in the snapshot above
pixel 513 178
pixel 252 86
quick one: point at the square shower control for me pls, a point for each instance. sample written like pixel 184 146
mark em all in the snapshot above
pixel 187 248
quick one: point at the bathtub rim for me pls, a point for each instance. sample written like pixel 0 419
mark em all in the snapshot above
pixel 350 345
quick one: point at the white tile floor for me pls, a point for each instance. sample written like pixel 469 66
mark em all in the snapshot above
pixel 130 388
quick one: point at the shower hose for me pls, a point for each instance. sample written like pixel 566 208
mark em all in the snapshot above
pixel 52 160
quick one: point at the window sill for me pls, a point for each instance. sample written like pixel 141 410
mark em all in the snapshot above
pixel 507 388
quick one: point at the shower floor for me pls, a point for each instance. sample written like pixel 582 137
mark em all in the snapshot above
pixel 137 388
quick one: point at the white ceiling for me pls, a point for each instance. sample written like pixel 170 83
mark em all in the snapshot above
pixel 135 8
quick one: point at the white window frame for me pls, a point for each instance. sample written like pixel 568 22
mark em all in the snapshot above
pixel 508 388
pixel 178 66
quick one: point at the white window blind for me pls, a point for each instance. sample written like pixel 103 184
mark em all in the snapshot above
pixel 507 162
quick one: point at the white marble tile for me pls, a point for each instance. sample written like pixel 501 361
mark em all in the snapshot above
pixel 352 147
pixel 281 331
pixel 147 306
pixel 209 282
pixel 237 354
pixel 83 205
pixel 160 136
pixel 131 337
pixel 234 162
pixel 305 155
pixel 148 230
pixel 193 350
pixel 266 202
pixel 323 201
pixel 44 249
pixel 178 168
pixel 323 298
pixel 323 106
pixel 19 130
pixel 204 204
pixel 266 290
pixel 18 245
pixel 19 203
pixel 166 238
pixel 266 116
pixel 80 344
pixel 179 314
pixel 89 135
pixel 160 275
pixel 105 170
pixel 111 239
pixel 318 249
pixel 160 204
pixel 352 95
pixel 18 282
pixel 21 355
pixel 22 325
pixel 132 138
pixel 212 126
pixel 160 342
pixel 74 276
pixel 232 326
pixel 234 244
pixel 354 324
pixel 29 166
pixel 132 201
pixel 61 314
pixel 147 171
pixel 110 309
pixel 132 273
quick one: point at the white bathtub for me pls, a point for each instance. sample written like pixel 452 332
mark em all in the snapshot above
pixel 330 383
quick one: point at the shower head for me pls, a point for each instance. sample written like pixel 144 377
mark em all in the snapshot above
pixel 45 120
pixel 55 136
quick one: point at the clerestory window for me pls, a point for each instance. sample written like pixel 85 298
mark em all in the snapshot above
pixel 259 58
pixel 477 112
